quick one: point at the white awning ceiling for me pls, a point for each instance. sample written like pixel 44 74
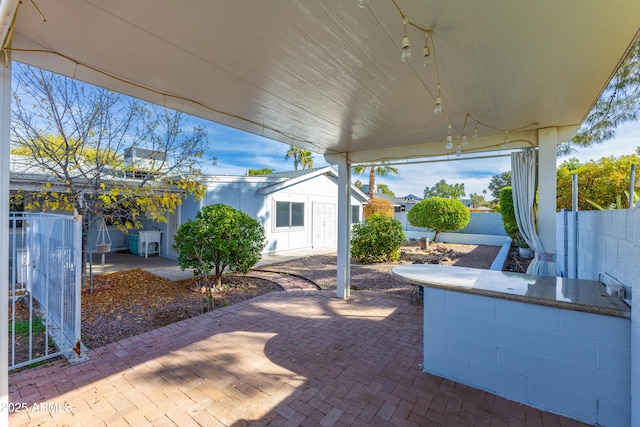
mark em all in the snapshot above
pixel 327 76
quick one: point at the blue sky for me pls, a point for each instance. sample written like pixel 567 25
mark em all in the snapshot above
pixel 239 151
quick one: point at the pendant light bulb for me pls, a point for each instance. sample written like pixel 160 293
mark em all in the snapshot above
pixel 363 3
pixel 438 108
pixel 406 49
pixel 426 55
pixel 506 139
pixel 449 145
pixel 464 140
pixel 475 131
pixel 458 151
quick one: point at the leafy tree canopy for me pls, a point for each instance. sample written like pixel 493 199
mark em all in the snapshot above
pixel 618 104
pixel 442 189
pixel 498 182
pixel 263 171
pixel 439 215
pixel 78 135
pixel 476 199
pixel 602 182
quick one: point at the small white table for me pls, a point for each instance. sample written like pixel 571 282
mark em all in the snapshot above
pixel 149 242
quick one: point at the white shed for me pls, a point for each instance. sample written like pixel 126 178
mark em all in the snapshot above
pixel 297 209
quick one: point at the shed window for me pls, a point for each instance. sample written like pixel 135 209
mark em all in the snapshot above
pixel 289 214
pixel 355 214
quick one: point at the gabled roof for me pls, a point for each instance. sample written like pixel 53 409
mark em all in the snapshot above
pixel 295 177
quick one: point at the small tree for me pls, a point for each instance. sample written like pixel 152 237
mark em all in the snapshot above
pixel 378 239
pixel 378 206
pixel 439 214
pixel 219 238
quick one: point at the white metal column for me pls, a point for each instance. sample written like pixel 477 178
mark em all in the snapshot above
pixel 343 289
pixel 547 152
pixel 5 117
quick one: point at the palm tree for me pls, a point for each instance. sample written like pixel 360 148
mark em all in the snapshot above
pixel 306 159
pixel 382 169
pixel 300 157
pixel 295 153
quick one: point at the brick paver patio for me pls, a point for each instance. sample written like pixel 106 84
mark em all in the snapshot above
pixel 285 358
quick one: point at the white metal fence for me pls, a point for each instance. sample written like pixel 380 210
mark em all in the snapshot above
pixel 44 286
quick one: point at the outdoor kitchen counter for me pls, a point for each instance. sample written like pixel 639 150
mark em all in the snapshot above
pixel 562 345
pixel 559 292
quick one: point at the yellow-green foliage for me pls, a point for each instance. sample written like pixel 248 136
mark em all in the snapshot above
pixel 601 182
pixel 378 206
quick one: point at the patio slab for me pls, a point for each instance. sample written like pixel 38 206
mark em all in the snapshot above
pixel 284 358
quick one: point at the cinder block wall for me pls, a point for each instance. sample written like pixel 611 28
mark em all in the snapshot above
pixel 572 363
pixel 489 223
pixel 609 241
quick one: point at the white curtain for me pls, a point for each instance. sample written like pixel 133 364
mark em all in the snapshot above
pixel 524 184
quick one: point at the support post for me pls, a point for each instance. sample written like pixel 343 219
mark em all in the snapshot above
pixel 343 288
pixel 547 152
pixel 5 117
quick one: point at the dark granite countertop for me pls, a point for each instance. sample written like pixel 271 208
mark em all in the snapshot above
pixel 573 294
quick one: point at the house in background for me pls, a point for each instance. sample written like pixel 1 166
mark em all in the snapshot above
pixel 400 204
pixel 297 209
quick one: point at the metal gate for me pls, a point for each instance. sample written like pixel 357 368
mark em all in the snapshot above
pixel 44 287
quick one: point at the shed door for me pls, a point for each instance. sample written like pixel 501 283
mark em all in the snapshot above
pixel 172 227
pixel 324 225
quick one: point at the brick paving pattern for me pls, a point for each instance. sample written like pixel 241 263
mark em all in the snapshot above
pixel 288 282
pixel 281 359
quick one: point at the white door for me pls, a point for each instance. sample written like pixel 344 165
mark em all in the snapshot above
pixel 172 227
pixel 324 225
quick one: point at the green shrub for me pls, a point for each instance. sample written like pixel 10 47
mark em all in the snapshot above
pixel 219 238
pixel 378 239
pixel 439 214
pixel 508 213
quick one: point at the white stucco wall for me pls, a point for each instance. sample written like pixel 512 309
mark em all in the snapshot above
pixel 244 193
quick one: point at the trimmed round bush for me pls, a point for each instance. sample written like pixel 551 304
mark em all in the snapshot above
pixel 378 239
pixel 378 206
pixel 439 214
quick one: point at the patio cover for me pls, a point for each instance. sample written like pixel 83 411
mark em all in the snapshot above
pixel 326 75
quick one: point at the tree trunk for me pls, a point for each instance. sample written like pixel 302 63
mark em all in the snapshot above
pixel 372 181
